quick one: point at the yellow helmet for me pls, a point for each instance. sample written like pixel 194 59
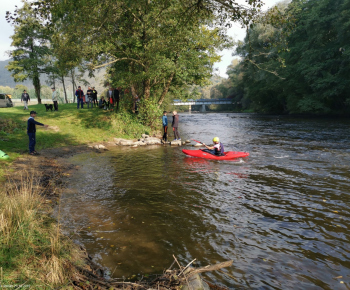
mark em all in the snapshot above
pixel 216 139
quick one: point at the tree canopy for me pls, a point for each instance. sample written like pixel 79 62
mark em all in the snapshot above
pixel 31 43
pixel 300 63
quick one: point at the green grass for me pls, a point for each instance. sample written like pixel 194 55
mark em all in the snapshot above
pixel 74 127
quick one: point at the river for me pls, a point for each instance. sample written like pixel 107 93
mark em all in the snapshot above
pixel 282 214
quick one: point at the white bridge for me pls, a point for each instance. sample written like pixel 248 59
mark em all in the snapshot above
pixel 202 102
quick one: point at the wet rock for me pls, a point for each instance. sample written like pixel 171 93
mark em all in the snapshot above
pixel 102 147
pixel 140 143
pixel 126 143
pixel 134 146
pixel 118 140
pixel 188 141
pixel 198 145
pixel 176 142
pixel 153 141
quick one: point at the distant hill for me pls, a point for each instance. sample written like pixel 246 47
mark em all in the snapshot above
pixel 7 80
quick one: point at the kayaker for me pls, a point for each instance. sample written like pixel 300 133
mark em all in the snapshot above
pixel 217 149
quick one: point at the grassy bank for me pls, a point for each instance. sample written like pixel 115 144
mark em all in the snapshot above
pixel 33 252
pixel 70 127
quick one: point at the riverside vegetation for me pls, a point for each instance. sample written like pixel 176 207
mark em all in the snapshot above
pixel 33 251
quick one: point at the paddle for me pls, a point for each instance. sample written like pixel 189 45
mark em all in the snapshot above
pixel 197 141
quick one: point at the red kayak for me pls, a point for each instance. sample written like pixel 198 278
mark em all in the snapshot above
pixel 202 154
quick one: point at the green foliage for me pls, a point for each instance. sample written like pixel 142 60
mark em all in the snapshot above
pixel 31 48
pixel 298 61
pixel 149 113
pixel 6 90
pixel 151 60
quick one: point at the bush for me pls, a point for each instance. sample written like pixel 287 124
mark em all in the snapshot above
pixel 150 113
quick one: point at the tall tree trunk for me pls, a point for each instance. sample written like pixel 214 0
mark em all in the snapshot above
pixel 166 88
pixel 73 85
pixel 64 89
pixel 37 87
pixel 147 89
pixel 133 90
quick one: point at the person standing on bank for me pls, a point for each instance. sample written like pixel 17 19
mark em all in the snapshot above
pixel 175 125
pixel 90 97
pixel 55 98
pixel 80 94
pixel 116 97
pixel 94 95
pixel 25 99
pixel 165 126
pixel 109 97
pixel 31 129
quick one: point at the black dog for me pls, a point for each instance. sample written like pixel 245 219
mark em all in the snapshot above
pixel 48 107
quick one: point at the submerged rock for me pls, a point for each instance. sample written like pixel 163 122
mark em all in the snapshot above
pixel 176 142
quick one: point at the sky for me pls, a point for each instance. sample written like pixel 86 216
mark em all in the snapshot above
pixel 7 30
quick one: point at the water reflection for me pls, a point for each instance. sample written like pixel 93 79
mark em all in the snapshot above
pixel 282 214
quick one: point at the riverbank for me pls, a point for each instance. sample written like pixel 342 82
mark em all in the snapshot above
pixel 67 127
pixel 33 251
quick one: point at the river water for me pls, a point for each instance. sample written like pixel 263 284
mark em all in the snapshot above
pixel 282 214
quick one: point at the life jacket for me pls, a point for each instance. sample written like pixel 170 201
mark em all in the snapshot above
pixel 221 152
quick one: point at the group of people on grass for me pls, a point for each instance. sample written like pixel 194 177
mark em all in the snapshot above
pixel 108 101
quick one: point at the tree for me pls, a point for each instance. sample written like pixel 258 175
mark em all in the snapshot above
pixel 29 59
pixel 153 47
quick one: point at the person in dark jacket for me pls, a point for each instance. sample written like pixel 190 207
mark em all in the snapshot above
pixel 94 94
pixel 25 99
pixel 31 129
pixel 80 97
pixel 116 97
pixel 175 125
pixel 165 126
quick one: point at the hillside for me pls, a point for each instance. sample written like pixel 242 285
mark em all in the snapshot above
pixel 7 80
